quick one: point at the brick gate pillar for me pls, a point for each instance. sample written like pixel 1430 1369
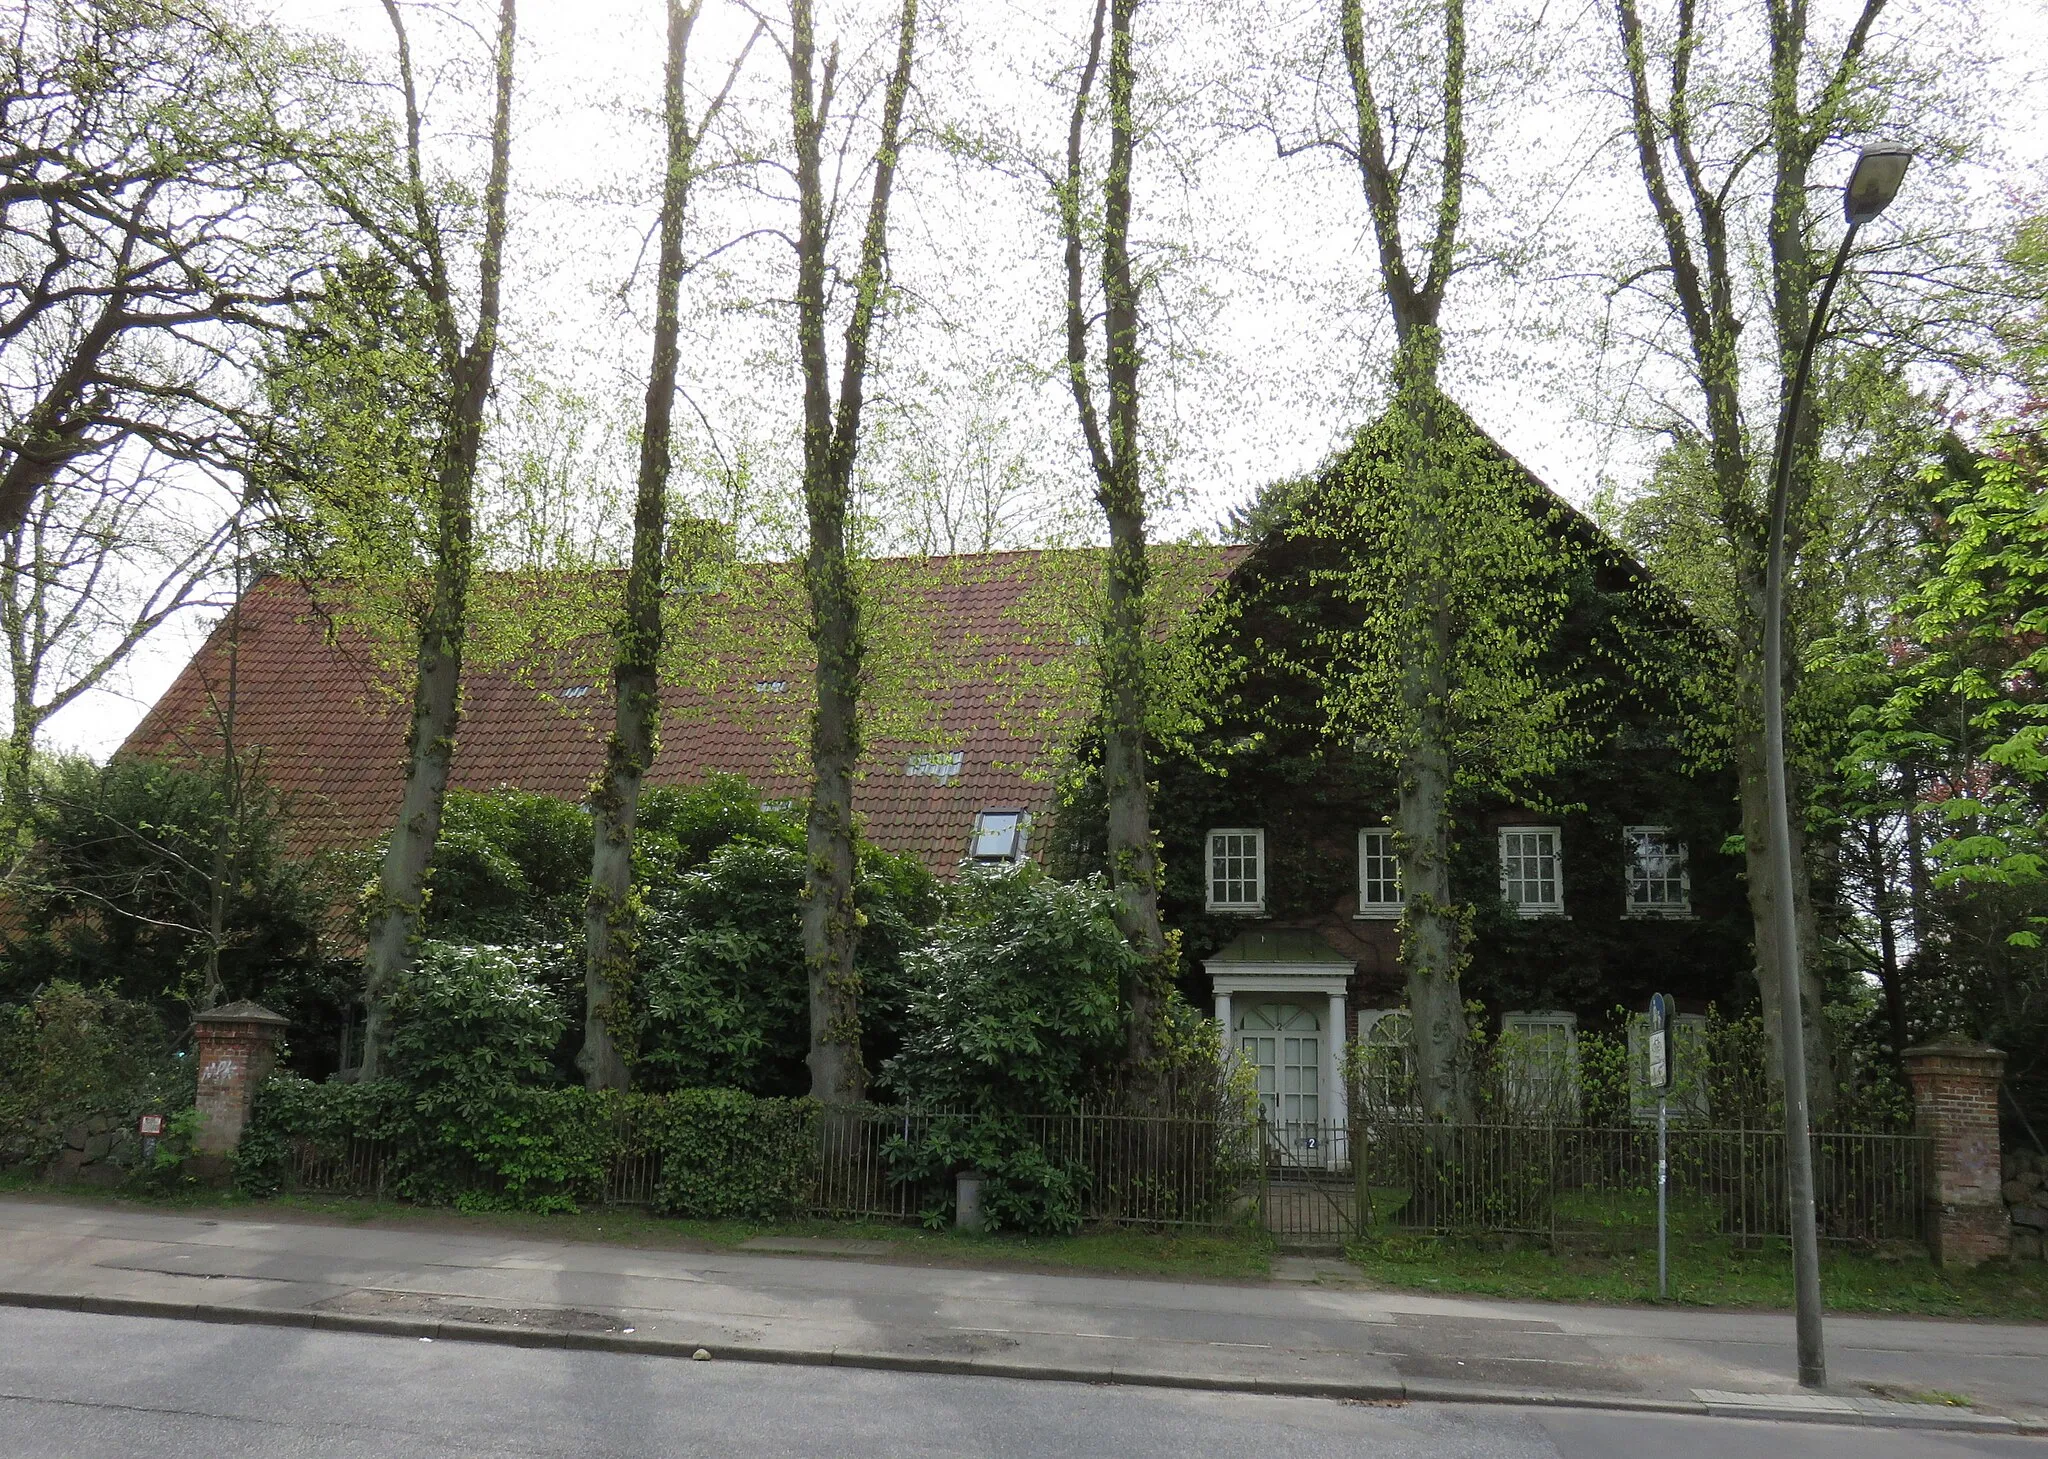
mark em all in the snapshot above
pixel 236 1046
pixel 1955 1104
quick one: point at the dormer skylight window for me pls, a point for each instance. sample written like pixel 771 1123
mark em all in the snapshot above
pixel 939 764
pixel 772 686
pixel 999 836
pixel 574 691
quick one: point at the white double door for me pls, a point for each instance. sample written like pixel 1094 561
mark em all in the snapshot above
pixel 1284 1043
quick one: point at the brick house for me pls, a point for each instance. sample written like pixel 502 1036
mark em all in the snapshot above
pixel 1279 865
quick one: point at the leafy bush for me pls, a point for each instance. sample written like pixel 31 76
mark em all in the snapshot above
pixel 721 966
pixel 511 866
pixel 1016 1002
pixel 1015 1008
pixel 721 958
pixel 468 1021
pixel 74 1056
pixel 725 1153
pixel 117 888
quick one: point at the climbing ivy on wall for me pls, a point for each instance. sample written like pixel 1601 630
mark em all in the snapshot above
pixel 1580 686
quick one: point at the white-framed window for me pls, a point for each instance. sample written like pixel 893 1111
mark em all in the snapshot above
pixel 1687 1098
pixel 1532 870
pixel 999 836
pixel 1384 1062
pixel 1659 884
pixel 1540 1062
pixel 1237 869
pixel 1379 874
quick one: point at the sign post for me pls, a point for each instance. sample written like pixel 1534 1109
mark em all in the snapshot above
pixel 1660 1080
pixel 151 1128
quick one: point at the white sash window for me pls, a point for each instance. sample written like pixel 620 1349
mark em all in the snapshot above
pixel 1531 870
pixel 1237 870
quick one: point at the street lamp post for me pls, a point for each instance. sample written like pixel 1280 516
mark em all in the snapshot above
pixel 1871 187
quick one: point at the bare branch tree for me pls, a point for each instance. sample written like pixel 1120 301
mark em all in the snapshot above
pixel 467 366
pixel 615 800
pixel 831 437
pixel 1110 430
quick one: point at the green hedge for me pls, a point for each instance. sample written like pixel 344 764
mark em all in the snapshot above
pixel 724 1152
pixel 77 1065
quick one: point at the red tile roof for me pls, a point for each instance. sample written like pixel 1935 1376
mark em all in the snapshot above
pixel 970 656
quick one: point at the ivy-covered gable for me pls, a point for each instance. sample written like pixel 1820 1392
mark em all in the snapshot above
pixel 1281 750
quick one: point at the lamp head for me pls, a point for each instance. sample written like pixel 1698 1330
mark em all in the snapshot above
pixel 1880 168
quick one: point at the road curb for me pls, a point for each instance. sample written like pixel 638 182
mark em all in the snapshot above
pixel 1360 1391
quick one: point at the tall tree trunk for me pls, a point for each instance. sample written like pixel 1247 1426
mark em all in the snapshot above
pixel 609 915
pixel 227 831
pixel 1112 438
pixel 17 603
pixel 1884 904
pixel 1692 218
pixel 1919 912
pixel 831 926
pixel 1432 923
pixel 394 920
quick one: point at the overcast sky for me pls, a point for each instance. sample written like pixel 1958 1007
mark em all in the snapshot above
pixel 1271 338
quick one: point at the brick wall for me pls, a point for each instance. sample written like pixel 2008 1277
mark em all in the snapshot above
pixel 236 1047
pixel 1955 1103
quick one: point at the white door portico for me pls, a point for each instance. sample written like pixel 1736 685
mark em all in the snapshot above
pixel 1258 977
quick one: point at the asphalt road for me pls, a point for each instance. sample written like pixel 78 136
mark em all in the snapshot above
pixel 74 1386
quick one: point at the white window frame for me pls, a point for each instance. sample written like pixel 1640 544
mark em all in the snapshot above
pixel 1382 910
pixel 1210 879
pixel 1631 837
pixel 1547 1095
pixel 1020 836
pixel 1385 1062
pixel 1552 908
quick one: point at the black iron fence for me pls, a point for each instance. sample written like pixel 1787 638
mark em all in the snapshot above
pixel 1327 1182
pixel 1562 1181
pixel 888 1164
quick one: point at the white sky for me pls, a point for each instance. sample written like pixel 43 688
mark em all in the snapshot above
pixel 1267 274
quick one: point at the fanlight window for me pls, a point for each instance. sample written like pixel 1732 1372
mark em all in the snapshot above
pixel 1385 1064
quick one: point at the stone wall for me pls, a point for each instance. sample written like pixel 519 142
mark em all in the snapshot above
pixel 2026 1201
pixel 92 1147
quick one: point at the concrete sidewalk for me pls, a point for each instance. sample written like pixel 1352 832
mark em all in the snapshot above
pixel 845 1303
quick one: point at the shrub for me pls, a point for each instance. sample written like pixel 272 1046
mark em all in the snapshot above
pixel 725 1153
pixel 1016 1002
pixel 1015 1008
pixel 722 980
pixel 511 866
pixel 117 888
pixel 722 969
pixel 469 1020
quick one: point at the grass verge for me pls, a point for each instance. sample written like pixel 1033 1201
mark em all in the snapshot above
pixel 1706 1272
pixel 1193 1256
